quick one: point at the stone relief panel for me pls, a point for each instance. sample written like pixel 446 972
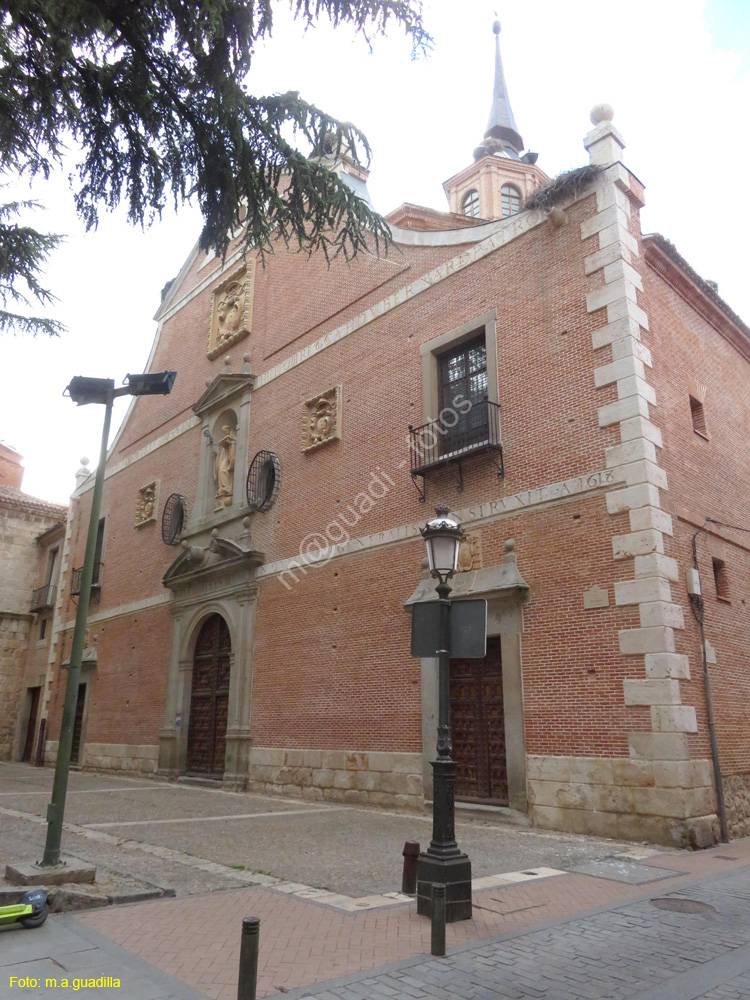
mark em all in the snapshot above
pixel 145 505
pixel 232 310
pixel 321 422
pixel 470 552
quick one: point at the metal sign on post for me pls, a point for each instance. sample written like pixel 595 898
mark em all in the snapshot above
pixel 468 629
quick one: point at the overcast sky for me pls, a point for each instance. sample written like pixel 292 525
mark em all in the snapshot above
pixel 677 73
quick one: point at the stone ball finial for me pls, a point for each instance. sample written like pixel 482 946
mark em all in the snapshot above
pixel 496 27
pixel 84 461
pixel 510 545
pixel 227 361
pixel 601 113
pixel 246 358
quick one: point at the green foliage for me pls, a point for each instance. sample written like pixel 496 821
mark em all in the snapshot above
pixel 23 251
pixel 153 96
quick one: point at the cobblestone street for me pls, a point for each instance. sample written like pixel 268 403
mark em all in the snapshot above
pixel 597 920
pixel 194 839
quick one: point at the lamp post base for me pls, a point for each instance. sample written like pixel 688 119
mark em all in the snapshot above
pixel 455 874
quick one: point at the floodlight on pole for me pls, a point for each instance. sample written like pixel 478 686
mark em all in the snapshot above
pixel 83 390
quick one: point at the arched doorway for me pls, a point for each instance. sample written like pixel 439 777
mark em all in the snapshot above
pixel 209 699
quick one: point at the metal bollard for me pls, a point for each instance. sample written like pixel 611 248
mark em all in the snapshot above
pixel 247 984
pixel 438 919
pixel 409 877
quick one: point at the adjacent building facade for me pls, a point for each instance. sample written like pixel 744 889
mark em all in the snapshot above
pixel 571 389
pixel 31 535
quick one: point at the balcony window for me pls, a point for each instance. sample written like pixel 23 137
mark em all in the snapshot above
pixel 462 388
pixel 75 585
pixel 43 597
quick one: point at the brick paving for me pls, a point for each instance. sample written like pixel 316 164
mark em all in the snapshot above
pixel 632 952
pixel 196 939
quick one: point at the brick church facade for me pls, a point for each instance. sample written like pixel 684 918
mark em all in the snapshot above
pixel 576 395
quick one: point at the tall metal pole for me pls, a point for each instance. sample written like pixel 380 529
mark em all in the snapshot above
pixel 56 808
pixel 443 844
pixel 444 862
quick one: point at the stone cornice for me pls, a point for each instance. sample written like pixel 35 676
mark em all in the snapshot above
pixel 672 268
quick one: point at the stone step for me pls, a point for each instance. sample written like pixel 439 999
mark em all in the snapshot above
pixel 497 815
pixel 193 779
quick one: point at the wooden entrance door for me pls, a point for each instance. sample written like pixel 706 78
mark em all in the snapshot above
pixel 28 747
pixel 478 728
pixel 75 750
pixel 209 699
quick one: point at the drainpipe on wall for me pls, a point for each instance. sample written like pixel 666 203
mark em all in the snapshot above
pixel 698 608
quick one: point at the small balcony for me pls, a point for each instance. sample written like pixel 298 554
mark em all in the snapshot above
pixel 437 445
pixel 43 598
pixel 75 585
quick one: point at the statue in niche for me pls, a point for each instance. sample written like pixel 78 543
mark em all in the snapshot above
pixel 229 310
pixel 224 467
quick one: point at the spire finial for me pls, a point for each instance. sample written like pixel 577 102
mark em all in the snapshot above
pixel 502 124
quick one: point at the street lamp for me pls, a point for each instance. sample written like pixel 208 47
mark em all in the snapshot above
pixel 83 390
pixel 443 861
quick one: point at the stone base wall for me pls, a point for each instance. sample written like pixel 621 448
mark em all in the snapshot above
pixel 14 641
pixel 737 802
pixel 355 777
pixel 127 757
pixel 664 802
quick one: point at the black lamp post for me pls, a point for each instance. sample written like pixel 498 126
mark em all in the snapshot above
pixel 443 861
pixel 83 390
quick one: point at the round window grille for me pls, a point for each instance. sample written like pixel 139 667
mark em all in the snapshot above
pixel 263 480
pixel 173 519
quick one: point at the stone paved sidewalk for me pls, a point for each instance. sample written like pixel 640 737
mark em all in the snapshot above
pixel 304 942
pixel 196 839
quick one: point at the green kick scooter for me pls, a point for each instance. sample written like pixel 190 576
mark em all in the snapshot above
pixel 30 910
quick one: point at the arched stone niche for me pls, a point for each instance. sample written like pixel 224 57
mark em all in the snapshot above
pixel 506 592
pixel 224 412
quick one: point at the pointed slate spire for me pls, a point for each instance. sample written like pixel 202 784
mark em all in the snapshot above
pixel 502 124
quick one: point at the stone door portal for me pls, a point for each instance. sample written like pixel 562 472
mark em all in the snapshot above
pixel 478 727
pixel 209 699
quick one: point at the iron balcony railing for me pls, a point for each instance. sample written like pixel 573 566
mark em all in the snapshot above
pixel 43 597
pixel 75 586
pixel 448 441
pixel 438 443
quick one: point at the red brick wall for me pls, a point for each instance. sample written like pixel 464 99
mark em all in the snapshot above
pixel 332 664
pixel 708 478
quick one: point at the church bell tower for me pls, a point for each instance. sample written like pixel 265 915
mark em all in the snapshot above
pixel 502 175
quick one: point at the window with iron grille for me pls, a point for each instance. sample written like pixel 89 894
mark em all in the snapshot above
pixel 511 199
pixel 462 394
